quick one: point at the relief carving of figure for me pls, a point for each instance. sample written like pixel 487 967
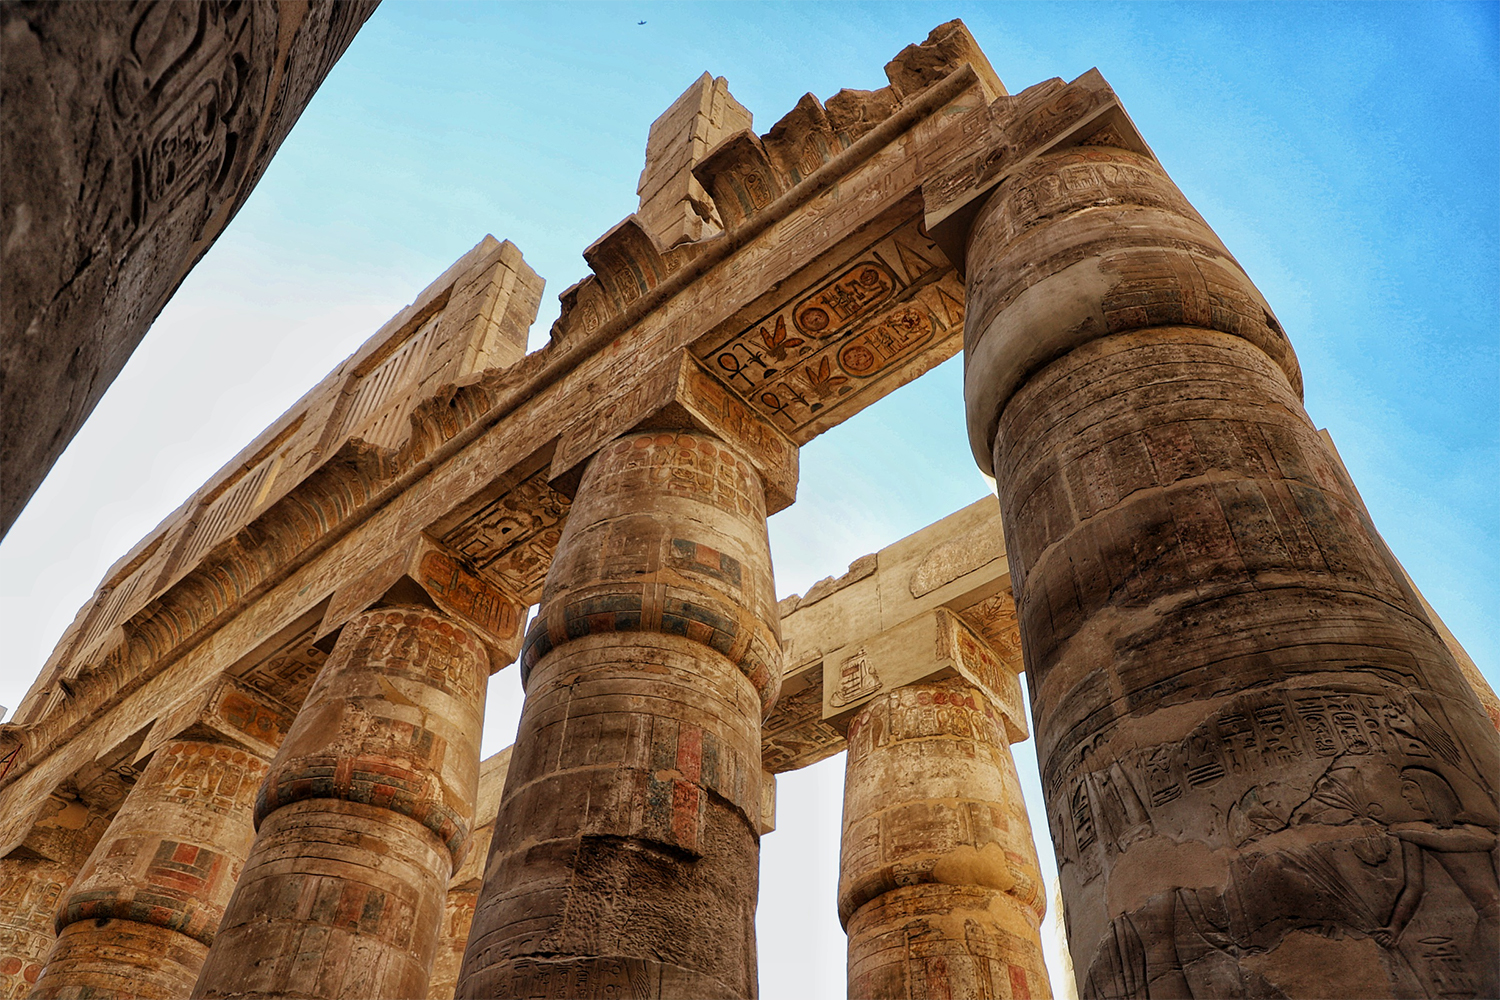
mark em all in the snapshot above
pixel 1465 851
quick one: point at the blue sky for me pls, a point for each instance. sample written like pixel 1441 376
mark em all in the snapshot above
pixel 1346 153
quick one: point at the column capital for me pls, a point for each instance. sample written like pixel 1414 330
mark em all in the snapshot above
pixel 703 576
pixel 681 395
pixel 425 572
pixel 934 646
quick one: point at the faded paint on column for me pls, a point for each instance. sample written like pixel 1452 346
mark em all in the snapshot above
pixel 1265 774
pixel 625 856
pixel 362 819
pixel 138 920
pixel 939 884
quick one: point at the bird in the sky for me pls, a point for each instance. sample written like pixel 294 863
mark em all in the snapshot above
pixel 640 22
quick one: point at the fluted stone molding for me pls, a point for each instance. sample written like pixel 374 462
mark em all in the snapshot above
pixel 138 920
pixel 1265 774
pixel 939 884
pixel 625 853
pixel 362 819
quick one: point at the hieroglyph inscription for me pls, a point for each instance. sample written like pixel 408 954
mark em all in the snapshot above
pixel 1419 883
pixel 511 539
pixel 896 300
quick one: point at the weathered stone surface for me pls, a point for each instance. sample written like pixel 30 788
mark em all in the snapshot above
pixel 1265 773
pixel 59 836
pixel 362 819
pixel 152 893
pixel 121 959
pixel 674 207
pixel 682 375
pixel 891 606
pixel 184 607
pixel 409 437
pixel 132 135
pixel 30 890
pixel 463 888
pixel 936 940
pixel 625 855
pixel 939 884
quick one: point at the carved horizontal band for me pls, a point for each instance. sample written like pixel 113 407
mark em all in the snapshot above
pixel 682 613
pixel 179 878
pixel 368 780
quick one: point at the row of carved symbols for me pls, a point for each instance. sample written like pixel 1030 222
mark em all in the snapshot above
pixel 1281 735
pixel 506 523
pixel 794 395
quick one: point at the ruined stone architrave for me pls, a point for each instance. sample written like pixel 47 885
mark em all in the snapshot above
pixel 1265 773
pixel 133 133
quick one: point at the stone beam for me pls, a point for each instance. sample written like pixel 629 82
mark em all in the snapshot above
pixel 132 134
pixel 855 305
pixel 888 603
pixel 187 595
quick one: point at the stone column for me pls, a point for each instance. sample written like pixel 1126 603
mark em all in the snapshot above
pixel 1265 774
pixel 939 884
pixel 361 820
pixel 34 877
pixel 625 855
pixel 30 890
pixel 463 888
pixel 138 920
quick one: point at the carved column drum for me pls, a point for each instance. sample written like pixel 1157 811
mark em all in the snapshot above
pixel 1265 774
pixel 362 819
pixel 139 918
pixel 30 890
pixel 625 854
pixel 939 884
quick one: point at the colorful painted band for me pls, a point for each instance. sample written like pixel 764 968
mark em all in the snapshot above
pixel 682 613
pixel 368 780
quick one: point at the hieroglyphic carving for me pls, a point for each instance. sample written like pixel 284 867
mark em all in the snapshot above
pixel 679 394
pixel 857 679
pixel 1267 764
pixel 123 176
pixel 794 735
pixel 994 618
pixel 287 674
pixel 471 598
pixel 512 537
pixel 898 299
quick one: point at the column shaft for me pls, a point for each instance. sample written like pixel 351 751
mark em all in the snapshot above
pixel 1265 774
pixel 30 890
pixel 625 854
pixel 361 820
pixel 138 920
pixel 939 885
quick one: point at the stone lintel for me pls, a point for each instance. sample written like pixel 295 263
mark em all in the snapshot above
pixel 224 711
pixel 936 645
pixel 957 564
pixel 1009 133
pixel 426 573
pixel 680 394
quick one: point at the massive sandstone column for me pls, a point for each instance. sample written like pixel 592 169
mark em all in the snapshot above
pixel 1265 775
pixel 362 819
pixel 138 920
pixel 939 886
pixel 625 856
pixel 35 876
